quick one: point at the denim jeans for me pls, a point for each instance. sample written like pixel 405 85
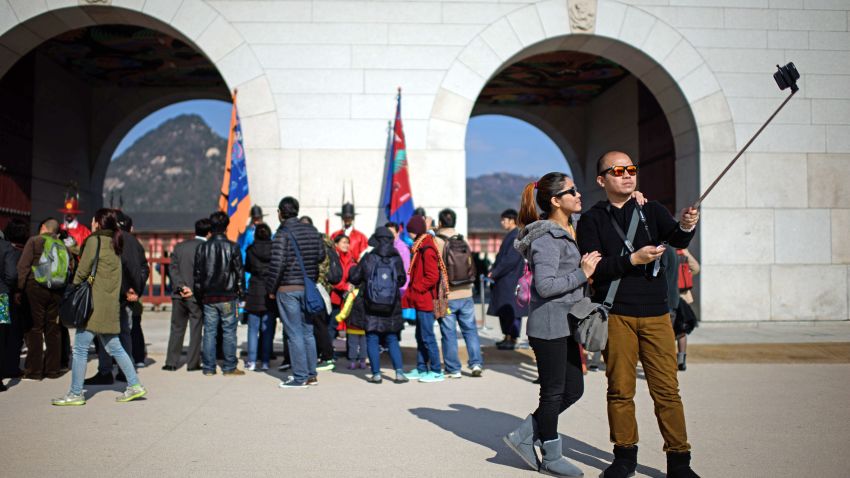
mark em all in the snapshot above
pixel 256 323
pixel 109 342
pixel 463 314
pixel 224 313
pixel 373 348
pixel 299 335
pixel 104 361
pixel 427 352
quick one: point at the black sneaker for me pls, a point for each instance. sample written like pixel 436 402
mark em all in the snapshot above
pixel 169 368
pixel 100 379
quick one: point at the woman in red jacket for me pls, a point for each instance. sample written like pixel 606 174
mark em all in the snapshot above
pixel 426 270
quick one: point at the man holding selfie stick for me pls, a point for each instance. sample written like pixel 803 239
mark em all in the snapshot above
pixel 185 308
pixel 639 321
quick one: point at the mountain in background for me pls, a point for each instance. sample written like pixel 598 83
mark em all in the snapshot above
pixel 490 194
pixel 170 176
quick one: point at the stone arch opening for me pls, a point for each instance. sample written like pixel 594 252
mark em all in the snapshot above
pixel 78 79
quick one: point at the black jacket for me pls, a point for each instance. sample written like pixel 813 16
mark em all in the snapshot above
pixel 8 267
pixel 506 273
pixel 383 249
pixel 640 294
pixel 134 265
pixel 284 268
pixel 218 269
pixel 257 259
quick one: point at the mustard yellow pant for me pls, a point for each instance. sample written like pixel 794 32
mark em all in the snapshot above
pixel 650 340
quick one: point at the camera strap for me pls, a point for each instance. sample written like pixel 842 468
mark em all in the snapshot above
pixel 628 248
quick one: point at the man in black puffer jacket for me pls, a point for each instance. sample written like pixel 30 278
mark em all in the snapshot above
pixel 284 281
pixel 219 284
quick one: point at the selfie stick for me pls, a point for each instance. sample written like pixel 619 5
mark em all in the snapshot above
pixel 787 76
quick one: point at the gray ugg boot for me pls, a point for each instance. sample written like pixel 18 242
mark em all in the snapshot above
pixel 521 441
pixel 554 462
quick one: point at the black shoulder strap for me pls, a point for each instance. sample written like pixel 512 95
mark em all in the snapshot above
pixel 96 259
pixel 628 248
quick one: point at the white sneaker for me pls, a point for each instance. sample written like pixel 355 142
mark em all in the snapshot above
pixel 250 366
pixel 453 374
pixel 476 370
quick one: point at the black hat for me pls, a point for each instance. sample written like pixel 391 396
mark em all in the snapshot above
pixel 347 210
pixel 256 211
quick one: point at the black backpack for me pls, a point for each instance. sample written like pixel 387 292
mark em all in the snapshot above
pixel 382 289
pixel 334 274
pixel 457 256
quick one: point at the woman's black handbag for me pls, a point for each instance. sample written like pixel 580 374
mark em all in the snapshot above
pixel 76 306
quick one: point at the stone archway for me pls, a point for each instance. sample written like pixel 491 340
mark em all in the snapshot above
pixel 654 52
pixel 26 25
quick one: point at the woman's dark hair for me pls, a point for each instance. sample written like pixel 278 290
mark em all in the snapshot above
pixel 263 232
pixel 219 222
pixel 340 237
pixel 107 219
pixel 17 231
pixel 509 214
pixel 547 186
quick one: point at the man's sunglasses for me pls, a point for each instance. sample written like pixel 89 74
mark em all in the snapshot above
pixel 618 171
pixel 572 192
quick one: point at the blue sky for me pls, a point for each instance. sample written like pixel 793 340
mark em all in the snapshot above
pixel 493 143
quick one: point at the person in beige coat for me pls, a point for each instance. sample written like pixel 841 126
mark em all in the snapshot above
pixel 105 243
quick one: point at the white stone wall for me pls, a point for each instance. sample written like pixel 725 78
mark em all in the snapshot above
pixel 317 81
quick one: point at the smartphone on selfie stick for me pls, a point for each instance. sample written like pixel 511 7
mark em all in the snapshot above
pixel 785 77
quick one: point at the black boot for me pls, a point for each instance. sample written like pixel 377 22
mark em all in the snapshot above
pixel 100 379
pixel 679 465
pixel 681 359
pixel 624 464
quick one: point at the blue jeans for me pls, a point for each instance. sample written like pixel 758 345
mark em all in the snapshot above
pixel 427 352
pixel 256 323
pixel 224 312
pixel 463 314
pixel 373 348
pixel 299 335
pixel 109 342
pixel 104 361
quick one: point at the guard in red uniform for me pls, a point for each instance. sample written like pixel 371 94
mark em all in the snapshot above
pixel 76 230
pixel 359 241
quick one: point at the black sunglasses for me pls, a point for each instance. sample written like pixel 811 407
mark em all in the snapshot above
pixel 572 192
pixel 618 171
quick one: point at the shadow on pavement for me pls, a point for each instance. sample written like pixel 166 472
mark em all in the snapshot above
pixel 487 427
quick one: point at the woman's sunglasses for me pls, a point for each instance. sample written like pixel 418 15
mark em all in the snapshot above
pixel 618 171
pixel 572 192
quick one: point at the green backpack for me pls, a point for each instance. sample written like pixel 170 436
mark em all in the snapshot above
pixel 53 265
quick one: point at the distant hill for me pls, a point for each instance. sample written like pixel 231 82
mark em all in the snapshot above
pixel 490 194
pixel 175 169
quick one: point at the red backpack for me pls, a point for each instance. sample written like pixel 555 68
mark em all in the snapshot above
pixel 686 278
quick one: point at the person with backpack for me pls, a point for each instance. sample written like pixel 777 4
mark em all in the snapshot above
pixel 548 242
pixel 101 263
pixel 686 320
pixel 639 318
pixel 355 337
pixel 43 273
pixel 377 308
pixel 457 256
pixel 290 279
pixel 427 293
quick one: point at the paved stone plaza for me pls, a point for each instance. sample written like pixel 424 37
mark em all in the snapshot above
pixel 745 420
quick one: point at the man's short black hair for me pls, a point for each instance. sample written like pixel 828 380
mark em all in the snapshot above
pixel 420 211
pixel 17 231
pixel 509 214
pixel 447 218
pixel 391 225
pixel 202 227
pixel 219 222
pixel 263 232
pixel 288 207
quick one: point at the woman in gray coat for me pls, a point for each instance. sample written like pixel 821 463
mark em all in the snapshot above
pixel 548 243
